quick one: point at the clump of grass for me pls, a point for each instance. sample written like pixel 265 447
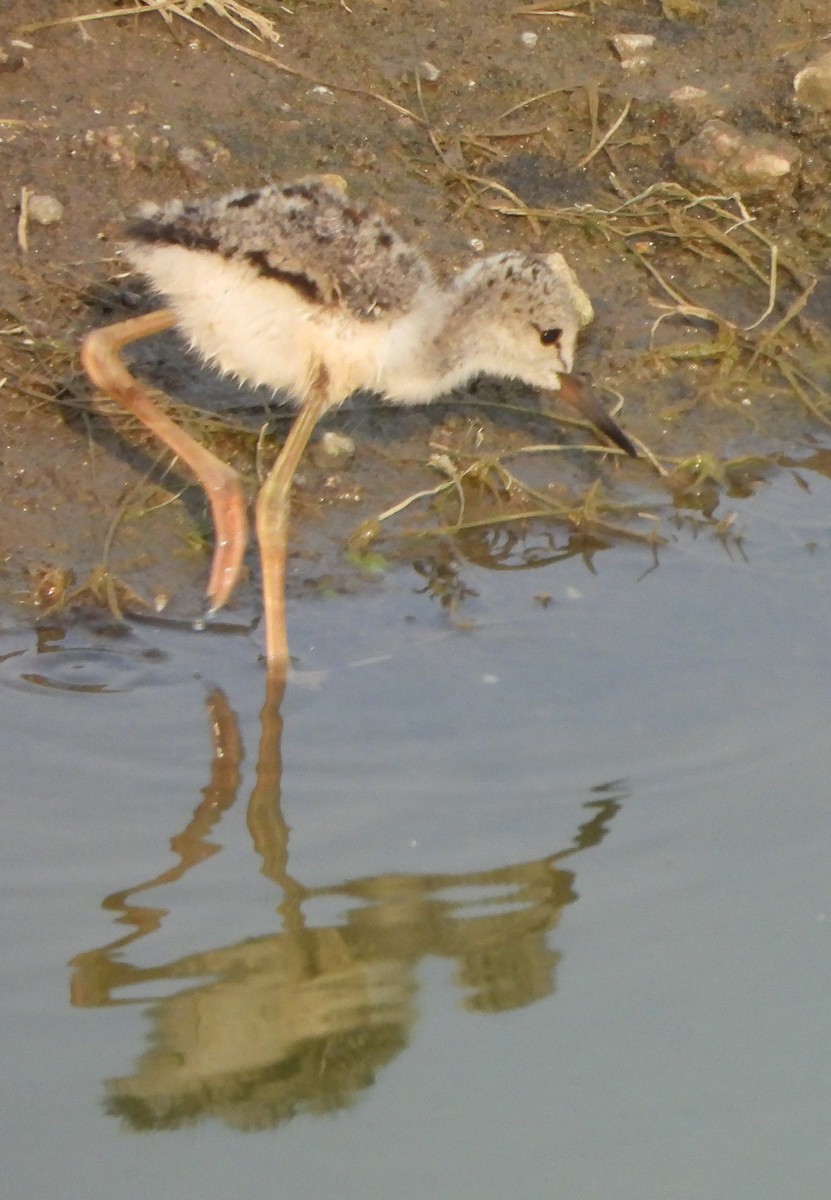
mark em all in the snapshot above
pixel 481 493
pixel 34 365
pixel 54 591
pixel 242 16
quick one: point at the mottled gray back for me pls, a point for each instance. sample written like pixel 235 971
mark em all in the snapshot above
pixel 306 234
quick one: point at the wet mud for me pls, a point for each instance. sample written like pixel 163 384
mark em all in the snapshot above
pixel 476 127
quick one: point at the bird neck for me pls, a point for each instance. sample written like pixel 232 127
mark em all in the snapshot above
pixel 446 341
pixel 464 341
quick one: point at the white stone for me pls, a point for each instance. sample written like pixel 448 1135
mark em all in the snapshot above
pixel 721 155
pixel 43 209
pixel 633 49
pixel 337 446
pixel 688 95
pixel 812 85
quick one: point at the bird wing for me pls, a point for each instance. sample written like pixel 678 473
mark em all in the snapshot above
pixel 308 235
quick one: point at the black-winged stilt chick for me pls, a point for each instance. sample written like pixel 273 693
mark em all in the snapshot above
pixel 298 288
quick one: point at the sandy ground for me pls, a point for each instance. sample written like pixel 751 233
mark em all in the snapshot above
pixel 410 103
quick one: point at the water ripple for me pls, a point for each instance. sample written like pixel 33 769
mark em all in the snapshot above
pixel 92 669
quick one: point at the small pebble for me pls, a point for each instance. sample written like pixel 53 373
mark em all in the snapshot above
pixel 428 71
pixel 201 159
pixel 633 49
pixel 43 209
pixel 812 85
pixel 688 95
pixel 336 447
pixel 11 59
pixel 529 38
pixel 721 155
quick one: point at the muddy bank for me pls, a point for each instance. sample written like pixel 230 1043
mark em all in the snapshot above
pixel 478 128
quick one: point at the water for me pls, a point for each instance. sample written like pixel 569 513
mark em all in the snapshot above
pixel 538 909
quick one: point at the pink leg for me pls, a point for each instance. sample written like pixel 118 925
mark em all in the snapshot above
pixel 272 524
pixel 100 355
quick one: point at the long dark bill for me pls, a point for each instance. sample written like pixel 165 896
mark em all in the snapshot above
pixel 571 391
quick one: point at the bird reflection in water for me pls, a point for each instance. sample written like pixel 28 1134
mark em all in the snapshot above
pixel 301 1020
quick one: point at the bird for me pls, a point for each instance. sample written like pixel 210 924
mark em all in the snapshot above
pixel 300 288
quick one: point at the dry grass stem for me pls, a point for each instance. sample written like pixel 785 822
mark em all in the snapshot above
pixel 242 16
pixel 23 221
pixel 610 132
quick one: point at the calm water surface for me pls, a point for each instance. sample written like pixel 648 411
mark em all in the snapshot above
pixel 538 910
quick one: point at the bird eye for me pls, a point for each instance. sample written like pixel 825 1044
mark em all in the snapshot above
pixel 550 337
